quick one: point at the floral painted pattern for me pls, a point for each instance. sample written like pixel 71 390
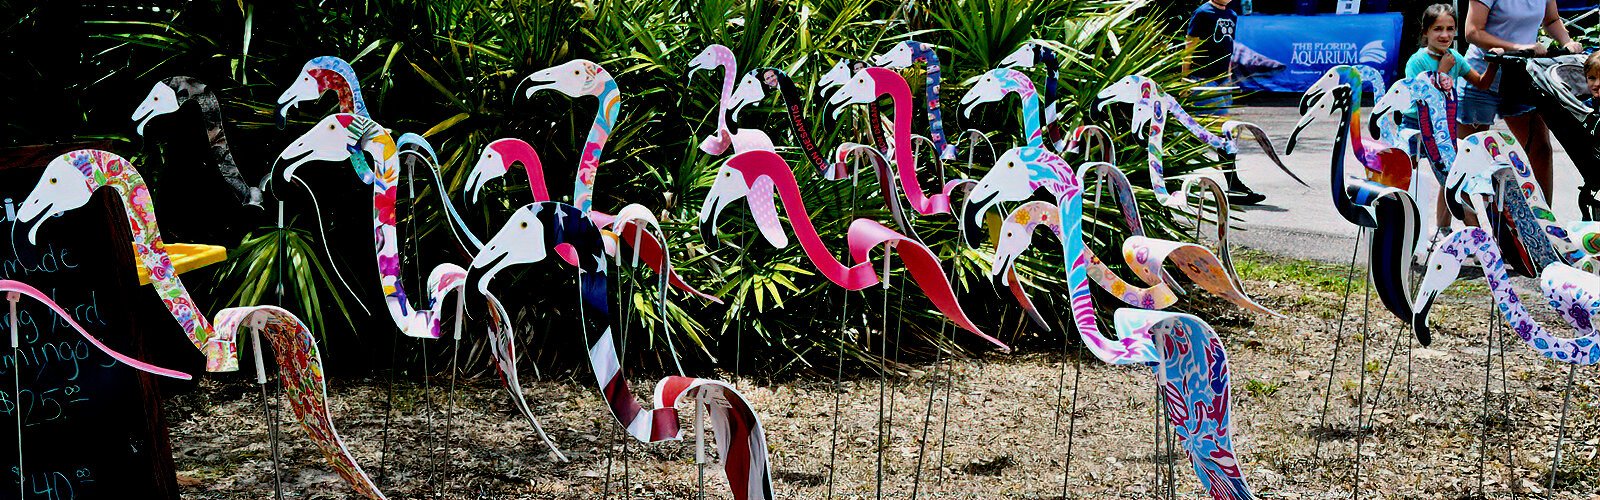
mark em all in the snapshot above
pixel 1147 256
pixel 1570 291
pixel 1016 235
pixel 300 372
pixel 366 138
pixel 104 169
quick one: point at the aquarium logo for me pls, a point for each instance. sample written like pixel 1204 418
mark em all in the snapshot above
pixel 1374 53
pixel 1333 53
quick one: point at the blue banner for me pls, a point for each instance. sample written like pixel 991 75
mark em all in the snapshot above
pixel 1289 53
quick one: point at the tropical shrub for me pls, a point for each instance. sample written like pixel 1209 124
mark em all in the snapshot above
pixel 450 69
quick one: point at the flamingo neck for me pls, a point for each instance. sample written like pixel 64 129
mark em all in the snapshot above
pixel 599 132
pixel 151 252
pixel 519 151
pixel 888 83
pixel 1052 122
pixel 851 278
pixel 1354 117
pixel 1030 112
pixel 1441 153
pixel 1342 139
pixel 925 54
pixel 777 79
pixel 1158 125
pixel 346 87
pixel 730 68
pixel 1040 215
pixel 1494 272
pixel 386 239
pixel 1193 126
pixel 1076 255
pixel 209 107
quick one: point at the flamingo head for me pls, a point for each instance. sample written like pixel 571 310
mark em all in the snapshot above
pixel 163 98
pixel 710 58
pixel 991 87
pixel 497 159
pixel 1025 56
pixel 1318 104
pixel 1129 90
pixel 1477 160
pixel 522 240
pixel 1009 180
pixel 836 75
pixel 901 56
pixel 749 91
pixel 1331 79
pixel 1444 266
pixel 334 138
pixel 319 75
pixel 1397 99
pixel 578 77
pixel 729 186
pixel 861 89
pixel 65 185
pixel 1016 235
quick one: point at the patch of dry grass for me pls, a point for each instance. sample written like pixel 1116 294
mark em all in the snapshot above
pixel 1001 436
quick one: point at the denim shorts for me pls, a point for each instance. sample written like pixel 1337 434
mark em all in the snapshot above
pixel 1480 107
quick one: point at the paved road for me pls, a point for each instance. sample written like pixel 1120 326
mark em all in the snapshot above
pixel 1300 222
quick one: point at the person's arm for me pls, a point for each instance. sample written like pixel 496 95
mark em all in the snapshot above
pixel 1478 18
pixel 1484 79
pixel 1188 54
pixel 1447 61
pixel 1557 28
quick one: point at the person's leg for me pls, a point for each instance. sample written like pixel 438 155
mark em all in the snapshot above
pixel 1531 131
pixel 1467 216
pixel 1476 112
pixel 1238 193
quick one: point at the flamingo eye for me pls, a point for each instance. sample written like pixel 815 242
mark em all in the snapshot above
pixel 330 126
pixel 52 180
pixel 524 224
pixel 156 98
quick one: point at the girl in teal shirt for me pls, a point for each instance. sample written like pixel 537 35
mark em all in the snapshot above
pixel 1436 54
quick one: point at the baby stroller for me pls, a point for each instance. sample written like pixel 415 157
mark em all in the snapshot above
pixel 1555 85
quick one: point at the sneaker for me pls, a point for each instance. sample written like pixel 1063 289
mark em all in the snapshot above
pixel 1238 193
pixel 1244 196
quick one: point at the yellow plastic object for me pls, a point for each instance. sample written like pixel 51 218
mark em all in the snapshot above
pixel 188 257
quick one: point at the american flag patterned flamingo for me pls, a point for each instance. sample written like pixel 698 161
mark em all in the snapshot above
pixel 532 234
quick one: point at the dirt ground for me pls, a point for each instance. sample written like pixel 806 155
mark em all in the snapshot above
pixel 1001 436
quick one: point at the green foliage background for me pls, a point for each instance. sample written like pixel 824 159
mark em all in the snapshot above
pixel 447 69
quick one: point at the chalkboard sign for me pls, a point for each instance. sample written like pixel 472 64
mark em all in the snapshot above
pixel 91 427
